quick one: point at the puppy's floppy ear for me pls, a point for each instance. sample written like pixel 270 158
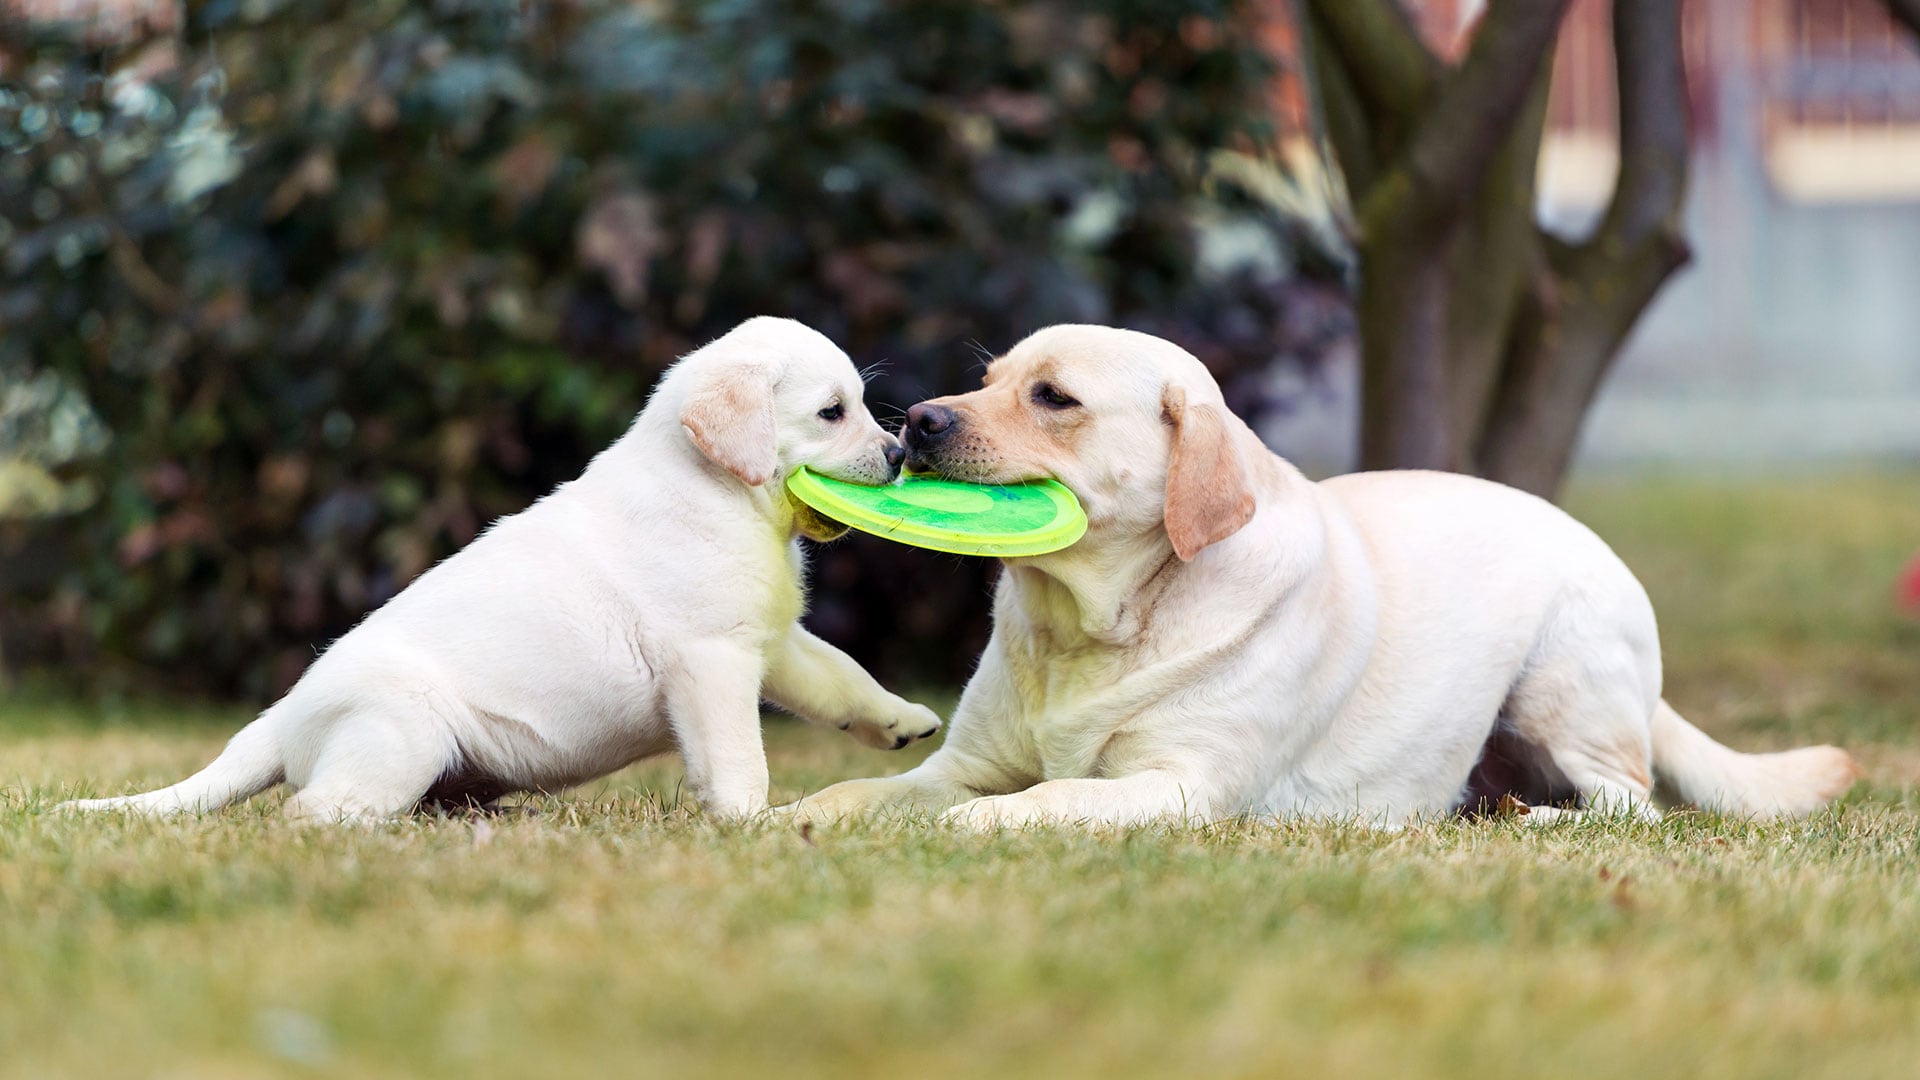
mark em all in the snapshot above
pixel 729 416
pixel 1209 494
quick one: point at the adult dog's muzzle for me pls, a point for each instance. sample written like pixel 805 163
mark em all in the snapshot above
pixel 928 425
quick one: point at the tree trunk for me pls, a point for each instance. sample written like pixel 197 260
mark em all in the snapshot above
pixel 1442 143
pixel 1907 14
pixel 1483 339
pixel 1405 288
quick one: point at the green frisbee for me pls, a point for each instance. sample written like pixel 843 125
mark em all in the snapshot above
pixel 1000 520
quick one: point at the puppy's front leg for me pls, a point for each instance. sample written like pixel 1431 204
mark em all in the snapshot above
pixel 814 680
pixel 1124 800
pixel 713 703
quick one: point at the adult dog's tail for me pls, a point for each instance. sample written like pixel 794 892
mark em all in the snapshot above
pixel 1692 768
pixel 250 764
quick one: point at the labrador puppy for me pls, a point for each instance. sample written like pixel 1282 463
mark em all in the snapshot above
pixel 646 606
pixel 1230 638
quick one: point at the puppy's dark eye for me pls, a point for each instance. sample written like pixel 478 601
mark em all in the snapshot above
pixel 832 413
pixel 1049 395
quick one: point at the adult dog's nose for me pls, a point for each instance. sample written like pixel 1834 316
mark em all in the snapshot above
pixel 926 422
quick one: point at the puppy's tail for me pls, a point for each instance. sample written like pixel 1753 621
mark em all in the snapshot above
pixel 251 763
pixel 1692 768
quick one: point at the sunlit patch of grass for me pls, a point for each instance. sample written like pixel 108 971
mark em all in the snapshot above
pixel 612 929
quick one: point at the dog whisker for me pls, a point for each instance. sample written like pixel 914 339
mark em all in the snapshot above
pixel 985 354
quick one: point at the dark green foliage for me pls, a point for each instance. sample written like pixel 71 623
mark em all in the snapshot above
pixel 350 279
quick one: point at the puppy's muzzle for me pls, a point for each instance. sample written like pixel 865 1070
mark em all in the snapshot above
pixel 928 426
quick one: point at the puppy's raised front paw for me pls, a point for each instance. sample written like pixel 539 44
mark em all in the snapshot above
pixel 900 723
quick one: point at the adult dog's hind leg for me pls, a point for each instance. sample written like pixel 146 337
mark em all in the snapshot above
pixel 1585 701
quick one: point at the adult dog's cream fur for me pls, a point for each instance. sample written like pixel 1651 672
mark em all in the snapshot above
pixel 1231 638
pixel 645 606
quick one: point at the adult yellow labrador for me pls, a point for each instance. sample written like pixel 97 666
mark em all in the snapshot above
pixel 1231 638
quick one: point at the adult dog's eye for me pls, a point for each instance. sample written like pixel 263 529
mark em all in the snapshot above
pixel 832 413
pixel 1049 395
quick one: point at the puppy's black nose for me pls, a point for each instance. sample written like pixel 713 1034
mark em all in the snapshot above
pixel 896 456
pixel 926 422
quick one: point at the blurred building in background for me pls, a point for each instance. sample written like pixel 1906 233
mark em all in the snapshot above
pixel 1795 333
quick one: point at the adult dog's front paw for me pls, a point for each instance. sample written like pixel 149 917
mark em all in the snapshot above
pixel 990 812
pixel 834 804
pixel 899 724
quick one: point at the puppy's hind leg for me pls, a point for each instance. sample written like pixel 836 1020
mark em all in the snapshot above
pixel 371 767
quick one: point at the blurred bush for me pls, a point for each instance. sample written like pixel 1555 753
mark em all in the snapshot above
pixel 315 290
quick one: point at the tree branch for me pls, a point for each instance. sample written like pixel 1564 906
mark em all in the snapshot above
pixel 1457 138
pixel 1907 13
pixel 1650 196
pixel 1493 262
pixel 1536 423
pixel 1607 282
pixel 1393 70
pixel 1343 118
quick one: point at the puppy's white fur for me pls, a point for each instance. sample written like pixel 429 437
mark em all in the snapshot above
pixel 1230 638
pixel 645 606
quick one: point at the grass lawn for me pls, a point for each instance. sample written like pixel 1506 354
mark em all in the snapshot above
pixel 612 932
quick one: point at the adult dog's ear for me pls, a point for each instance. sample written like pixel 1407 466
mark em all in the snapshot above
pixel 729 416
pixel 1209 494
